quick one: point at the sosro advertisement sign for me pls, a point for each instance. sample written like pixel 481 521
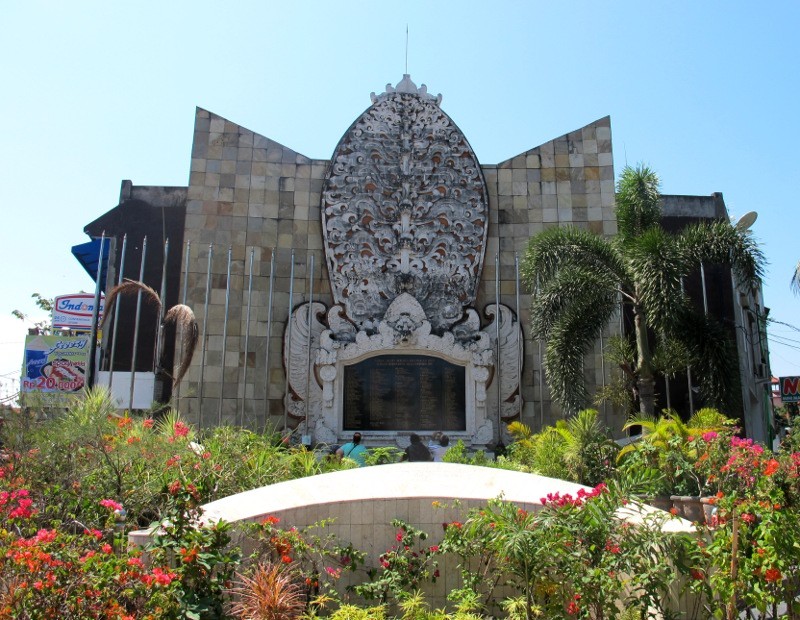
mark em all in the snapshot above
pixel 75 311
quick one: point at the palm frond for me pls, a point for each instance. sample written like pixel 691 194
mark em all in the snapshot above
pixel 556 248
pixel 657 263
pixel 184 317
pixel 715 362
pixel 719 242
pixel 569 312
pixel 638 201
pixel 708 419
pixel 795 283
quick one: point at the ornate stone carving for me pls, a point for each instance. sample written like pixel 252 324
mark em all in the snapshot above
pixel 404 210
pixel 297 355
pixel 509 364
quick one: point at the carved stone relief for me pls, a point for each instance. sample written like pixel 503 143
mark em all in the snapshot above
pixel 404 217
pixel 404 210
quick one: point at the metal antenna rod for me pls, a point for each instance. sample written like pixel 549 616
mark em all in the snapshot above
pixel 183 301
pixel 136 324
pixel 203 343
pixel 160 329
pixel 519 340
pixel 247 332
pixel 269 334
pixel 98 286
pixel 116 312
pixel 308 359
pixel 288 348
pixel 225 335
pixel 497 315
pixel 406 71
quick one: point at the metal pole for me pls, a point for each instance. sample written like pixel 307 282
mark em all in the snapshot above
pixel 247 332
pixel 269 332
pixel 703 281
pixel 669 400
pixel 95 314
pixel 519 341
pixel 308 358
pixel 225 334
pixel 288 346
pixel 136 324
pixel 183 301
pixel 603 374
pixel 120 277
pixel 498 314
pixel 541 373
pixel 163 293
pixel 689 368
pixel 205 335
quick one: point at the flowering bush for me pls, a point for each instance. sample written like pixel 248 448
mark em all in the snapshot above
pixel 53 574
pixel 403 567
pixel 575 558
pixel 311 559
pixel 752 557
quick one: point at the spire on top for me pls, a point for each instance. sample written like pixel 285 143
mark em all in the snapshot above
pixel 406 86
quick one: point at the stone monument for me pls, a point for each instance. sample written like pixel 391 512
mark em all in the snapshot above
pixel 404 218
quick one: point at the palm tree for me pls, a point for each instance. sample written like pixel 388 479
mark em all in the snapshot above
pixel 579 278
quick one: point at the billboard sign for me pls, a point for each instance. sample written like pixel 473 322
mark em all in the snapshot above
pixel 790 389
pixel 75 311
pixel 54 364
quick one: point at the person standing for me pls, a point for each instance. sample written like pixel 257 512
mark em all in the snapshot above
pixel 439 449
pixel 354 450
pixel 416 450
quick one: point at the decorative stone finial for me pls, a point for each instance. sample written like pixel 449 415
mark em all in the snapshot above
pixel 406 86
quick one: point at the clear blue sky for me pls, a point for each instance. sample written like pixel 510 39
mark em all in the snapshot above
pixel 96 92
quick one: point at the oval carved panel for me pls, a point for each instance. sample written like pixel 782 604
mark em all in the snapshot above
pixel 404 210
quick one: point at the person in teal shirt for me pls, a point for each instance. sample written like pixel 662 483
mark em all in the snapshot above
pixel 354 450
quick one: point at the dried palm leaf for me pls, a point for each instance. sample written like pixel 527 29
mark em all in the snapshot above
pixel 183 317
pixel 125 288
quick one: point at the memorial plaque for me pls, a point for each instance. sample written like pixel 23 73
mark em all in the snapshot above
pixel 404 392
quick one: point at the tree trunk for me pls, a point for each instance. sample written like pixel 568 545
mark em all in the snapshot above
pixel 645 380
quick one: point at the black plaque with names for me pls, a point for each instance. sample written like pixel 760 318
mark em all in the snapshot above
pixel 404 392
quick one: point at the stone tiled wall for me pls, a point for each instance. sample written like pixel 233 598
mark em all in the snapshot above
pixel 252 194
pixel 567 181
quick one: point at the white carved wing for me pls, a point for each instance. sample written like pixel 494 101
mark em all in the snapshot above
pixel 299 354
pixel 508 364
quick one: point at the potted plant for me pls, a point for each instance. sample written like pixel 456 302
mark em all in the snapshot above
pixel 676 449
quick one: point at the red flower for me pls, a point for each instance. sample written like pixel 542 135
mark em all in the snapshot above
pixel 148 423
pixel 772 575
pixel 286 559
pixel 573 608
pixel 771 468
pixel 180 429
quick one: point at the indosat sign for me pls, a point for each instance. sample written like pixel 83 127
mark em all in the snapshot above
pixel 75 311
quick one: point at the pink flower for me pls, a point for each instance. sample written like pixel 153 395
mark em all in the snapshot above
pixel 710 436
pixel 110 504
pixel 180 429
